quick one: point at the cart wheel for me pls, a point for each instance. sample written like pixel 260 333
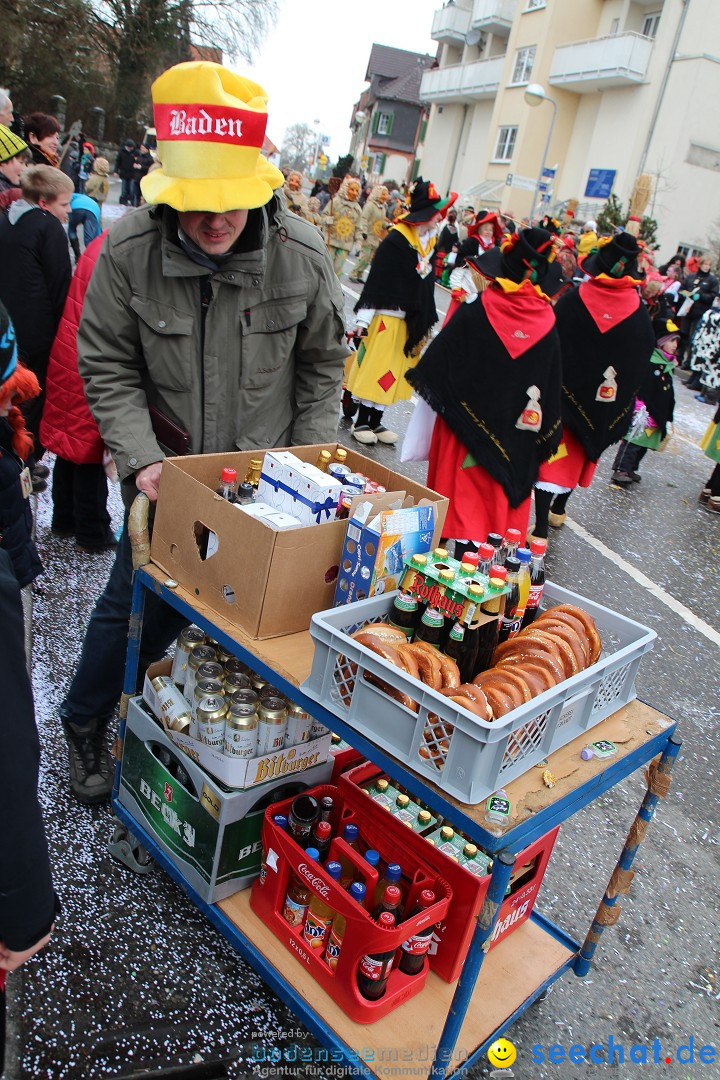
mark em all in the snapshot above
pixel 124 847
pixel 349 405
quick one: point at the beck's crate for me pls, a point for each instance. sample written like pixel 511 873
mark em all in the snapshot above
pixel 210 832
pixel 468 757
pixel 285 858
pixel 452 935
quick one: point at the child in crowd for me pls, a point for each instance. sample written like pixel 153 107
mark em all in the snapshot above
pixel 98 185
pixel 654 407
pixel 14 158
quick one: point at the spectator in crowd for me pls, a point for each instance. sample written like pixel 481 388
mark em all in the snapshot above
pixel 588 239
pixel 6 108
pixel 142 168
pixel 447 240
pixel 705 356
pixel 14 155
pixel 699 289
pixel 678 260
pixel 98 186
pixel 42 133
pixel 202 273
pixel 34 277
pixel 125 163
pixel 85 214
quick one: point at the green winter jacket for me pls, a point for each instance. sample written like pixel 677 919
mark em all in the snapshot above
pixel 266 368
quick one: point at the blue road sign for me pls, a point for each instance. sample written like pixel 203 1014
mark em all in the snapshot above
pixel 600 183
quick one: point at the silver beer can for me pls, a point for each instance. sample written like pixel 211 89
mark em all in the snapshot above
pixel 172 708
pixel 240 696
pixel 233 666
pixel 298 725
pixel 211 721
pixel 241 731
pixel 272 716
pixel 200 655
pixel 205 688
pixel 189 638
pixel 235 680
pixel 317 730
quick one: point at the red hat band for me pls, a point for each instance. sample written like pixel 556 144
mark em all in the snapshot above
pixel 209 123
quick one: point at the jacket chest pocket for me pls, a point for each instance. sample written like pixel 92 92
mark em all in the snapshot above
pixel 269 332
pixel 167 337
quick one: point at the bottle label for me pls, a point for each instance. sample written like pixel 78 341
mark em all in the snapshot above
pixel 534 596
pixel 418 944
pixel 293 912
pixel 499 806
pixel 458 632
pixel 405 602
pixel 263 872
pixel 332 953
pixel 316 928
pixel 372 967
pixel 515 623
pixel 433 617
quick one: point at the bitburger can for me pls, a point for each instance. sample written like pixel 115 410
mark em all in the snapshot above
pixel 200 655
pixel 258 682
pixel 241 731
pixel 235 680
pixel 205 688
pixel 211 720
pixel 233 666
pixel 240 696
pixel 187 641
pixel 272 716
pixel 210 669
pixel 298 724
pixel 171 708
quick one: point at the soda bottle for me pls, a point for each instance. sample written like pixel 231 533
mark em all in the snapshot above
pixel 281 822
pixel 297 899
pixel 324 459
pixel 321 836
pixel 350 836
pixel 304 812
pixel 340 455
pixel 320 915
pixel 374 968
pixel 412 951
pixel 489 631
pixel 485 555
pixel 510 544
pixel 337 930
pixel 228 481
pixel 497 542
pixel 390 901
pixel 372 857
pixel 440 555
pixel 392 876
pixel 537 580
pixel 245 494
pixel 509 622
pixel 326 805
pixel 523 555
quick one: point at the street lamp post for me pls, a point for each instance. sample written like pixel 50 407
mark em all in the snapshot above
pixel 535 95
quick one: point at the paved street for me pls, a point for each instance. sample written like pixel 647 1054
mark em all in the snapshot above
pixel 135 979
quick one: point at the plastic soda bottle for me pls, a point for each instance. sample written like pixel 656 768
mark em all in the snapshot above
pixel 412 954
pixel 497 808
pixel 374 968
pixel 297 900
pixel 390 902
pixel 537 580
pixel 337 930
pixel 320 915
pixel 523 555
pixel 392 875
pixel 350 836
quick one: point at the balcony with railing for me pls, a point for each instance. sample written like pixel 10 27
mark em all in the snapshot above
pixel 494 16
pixel 462 84
pixel 601 63
pixel 450 24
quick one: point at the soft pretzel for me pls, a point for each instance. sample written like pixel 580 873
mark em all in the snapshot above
pixel 507 681
pixel 428 662
pixel 382 648
pixel 475 693
pixel 538 678
pixel 589 624
pixel 577 640
pixel 553 616
pixel 500 700
pixel 541 649
pixel 408 659
pixel 566 654
pixel 471 704
pixel 448 668
pixel 392 691
pixel 384 631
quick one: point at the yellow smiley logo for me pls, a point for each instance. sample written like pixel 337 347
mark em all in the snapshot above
pixel 502 1054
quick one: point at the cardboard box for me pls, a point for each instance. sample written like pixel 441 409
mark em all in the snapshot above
pixel 212 834
pixel 376 545
pixel 267 582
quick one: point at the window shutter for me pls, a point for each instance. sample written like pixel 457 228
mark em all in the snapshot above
pixel 375 120
pixel 391 119
pixel 423 130
pixel 415 169
pixel 382 158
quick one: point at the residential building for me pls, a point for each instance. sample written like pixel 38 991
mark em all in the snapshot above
pixel 388 120
pixel 629 86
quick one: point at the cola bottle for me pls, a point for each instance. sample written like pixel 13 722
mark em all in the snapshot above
pixel 374 969
pixel 413 951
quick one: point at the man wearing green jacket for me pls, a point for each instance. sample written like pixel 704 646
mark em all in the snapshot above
pixel 213 316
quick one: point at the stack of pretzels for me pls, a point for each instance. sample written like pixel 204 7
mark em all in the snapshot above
pixel 560 642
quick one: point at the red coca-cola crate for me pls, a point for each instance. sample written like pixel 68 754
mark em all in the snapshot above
pixel 346 758
pixel 283 858
pixel 452 936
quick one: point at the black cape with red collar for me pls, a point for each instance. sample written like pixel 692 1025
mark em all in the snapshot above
pixel 468 376
pixel 587 354
pixel 394 284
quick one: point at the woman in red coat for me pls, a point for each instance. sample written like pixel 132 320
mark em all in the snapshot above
pixel 79 488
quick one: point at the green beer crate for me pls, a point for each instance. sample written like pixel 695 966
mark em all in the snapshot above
pixel 210 832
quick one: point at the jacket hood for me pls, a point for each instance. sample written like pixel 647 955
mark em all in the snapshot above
pixel 19 208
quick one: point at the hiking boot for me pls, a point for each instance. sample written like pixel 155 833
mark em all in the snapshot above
pixel 91 766
pixel 621 479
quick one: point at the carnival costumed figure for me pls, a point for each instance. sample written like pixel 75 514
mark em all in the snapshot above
pixel 607 340
pixel 342 223
pixel 484 233
pixel 493 377
pixel 373 228
pixel 395 312
pixel 296 198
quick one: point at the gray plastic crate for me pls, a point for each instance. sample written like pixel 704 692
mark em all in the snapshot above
pixel 465 756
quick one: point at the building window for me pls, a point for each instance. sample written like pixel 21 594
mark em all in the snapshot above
pixel 384 123
pixel 505 143
pixel 533 4
pixel 651 23
pixel 614 27
pixel 524 60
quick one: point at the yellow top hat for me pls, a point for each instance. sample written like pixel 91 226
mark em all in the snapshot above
pixel 210 126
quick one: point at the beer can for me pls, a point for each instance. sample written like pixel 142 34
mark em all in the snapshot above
pixel 241 731
pixel 171 706
pixel 233 666
pixel 188 639
pixel 223 655
pixel 272 716
pixel 317 730
pixel 257 681
pixel 340 472
pixel 211 720
pixel 205 688
pixel 210 669
pixel 200 655
pixel 356 480
pixel 241 696
pixel 270 691
pixel 236 681
pixel 298 725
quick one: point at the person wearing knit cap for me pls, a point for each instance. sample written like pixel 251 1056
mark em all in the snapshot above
pixel 607 340
pixel 28 904
pixel 213 322
pixel 493 377
pixel 395 313
pixel 14 158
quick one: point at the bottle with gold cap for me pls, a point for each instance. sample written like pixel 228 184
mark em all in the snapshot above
pixel 324 459
pixel 493 605
pixel 252 476
pixel 464 639
pixel 341 455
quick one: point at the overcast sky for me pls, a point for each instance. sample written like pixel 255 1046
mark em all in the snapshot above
pixel 314 61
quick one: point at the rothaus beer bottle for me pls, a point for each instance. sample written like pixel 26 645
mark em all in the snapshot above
pixel 405 613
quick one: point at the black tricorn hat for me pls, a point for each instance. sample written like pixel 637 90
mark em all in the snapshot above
pixel 664 329
pixel 526 254
pixel 425 202
pixel 616 257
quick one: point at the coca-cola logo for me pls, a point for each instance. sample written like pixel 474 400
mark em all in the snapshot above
pixel 434 597
pixel 316 882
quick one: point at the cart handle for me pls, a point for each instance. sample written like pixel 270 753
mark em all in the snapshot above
pixel 138 531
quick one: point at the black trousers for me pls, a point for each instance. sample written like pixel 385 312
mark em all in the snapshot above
pixel 79 494
pixel 628 457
